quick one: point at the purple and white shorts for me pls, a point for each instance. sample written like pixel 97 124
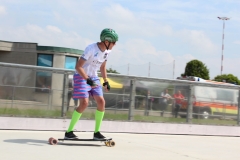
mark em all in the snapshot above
pixel 82 89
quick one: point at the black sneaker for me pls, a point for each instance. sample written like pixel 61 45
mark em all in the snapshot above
pixel 98 136
pixel 70 135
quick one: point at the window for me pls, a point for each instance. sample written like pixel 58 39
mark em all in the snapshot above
pixel 70 62
pixel 224 95
pixel 43 79
pixel 45 60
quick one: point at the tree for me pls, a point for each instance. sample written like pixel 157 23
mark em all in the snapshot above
pixel 110 70
pixel 196 68
pixel 229 78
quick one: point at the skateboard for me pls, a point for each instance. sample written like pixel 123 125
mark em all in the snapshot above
pixel 108 142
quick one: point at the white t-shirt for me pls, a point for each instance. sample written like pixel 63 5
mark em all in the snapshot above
pixel 163 94
pixel 94 58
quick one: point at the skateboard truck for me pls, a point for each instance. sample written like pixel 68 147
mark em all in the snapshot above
pixel 109 143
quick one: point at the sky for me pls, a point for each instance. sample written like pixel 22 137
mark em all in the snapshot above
pixel 164 34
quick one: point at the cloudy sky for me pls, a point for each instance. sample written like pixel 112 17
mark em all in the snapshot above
pixel 158 32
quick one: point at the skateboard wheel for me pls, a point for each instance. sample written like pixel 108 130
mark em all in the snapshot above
pixel 52 141
pixel 111 143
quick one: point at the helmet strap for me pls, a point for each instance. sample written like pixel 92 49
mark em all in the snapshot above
pixel 106 45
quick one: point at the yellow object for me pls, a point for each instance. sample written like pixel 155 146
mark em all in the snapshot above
pixel 112 83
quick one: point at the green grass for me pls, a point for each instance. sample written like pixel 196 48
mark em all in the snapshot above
pixel 29 112
pixel 54 114
pixel 37 113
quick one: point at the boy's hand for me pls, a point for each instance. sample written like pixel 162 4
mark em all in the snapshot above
pixel 91 82
pixel 106 86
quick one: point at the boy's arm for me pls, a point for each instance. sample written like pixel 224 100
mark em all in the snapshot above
pixel 104 71
pixel 79 68
pixel 104 76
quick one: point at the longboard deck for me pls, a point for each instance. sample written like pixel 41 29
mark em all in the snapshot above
pixel 108 142
pixel 103 140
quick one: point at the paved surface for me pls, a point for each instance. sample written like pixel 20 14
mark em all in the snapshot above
pixel 24 145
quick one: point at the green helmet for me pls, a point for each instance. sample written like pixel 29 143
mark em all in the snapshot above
pixel 108 35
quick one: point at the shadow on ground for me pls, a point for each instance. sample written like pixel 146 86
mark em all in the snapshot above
pixel 71 144
pixel 45 142
pixel 27 141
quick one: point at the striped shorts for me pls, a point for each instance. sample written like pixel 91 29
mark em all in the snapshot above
pixel 82 90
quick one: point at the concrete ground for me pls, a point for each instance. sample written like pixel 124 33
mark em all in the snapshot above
pixel 24 145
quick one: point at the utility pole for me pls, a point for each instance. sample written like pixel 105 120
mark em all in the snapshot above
pixel 223 19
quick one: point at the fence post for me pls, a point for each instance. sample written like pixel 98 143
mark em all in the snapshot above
pixel 65 95
pixel 50 99
pixel 238 118
pixel 132 99
pixel 146 113
pixel 190 106
pixel 13 95
pixel 116 105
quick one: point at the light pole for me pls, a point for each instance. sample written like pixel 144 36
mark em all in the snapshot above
pixel 223 19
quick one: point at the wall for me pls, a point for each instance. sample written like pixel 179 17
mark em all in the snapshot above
pixel 19 53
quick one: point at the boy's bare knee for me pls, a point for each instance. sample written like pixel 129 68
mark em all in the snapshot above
pixel 101 101
pixel 84 103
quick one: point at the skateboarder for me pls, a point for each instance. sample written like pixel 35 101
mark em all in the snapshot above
pixel 86 81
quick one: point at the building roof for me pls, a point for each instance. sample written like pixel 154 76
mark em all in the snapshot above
pixel 59 49
pixel 10 46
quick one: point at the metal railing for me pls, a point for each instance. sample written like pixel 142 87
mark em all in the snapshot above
pixel 132 89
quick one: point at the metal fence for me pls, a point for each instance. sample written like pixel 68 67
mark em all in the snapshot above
pixel 147 70
pixel 32 91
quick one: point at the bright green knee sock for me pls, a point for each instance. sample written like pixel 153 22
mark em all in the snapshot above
pixel 75 117
pixel 98 120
